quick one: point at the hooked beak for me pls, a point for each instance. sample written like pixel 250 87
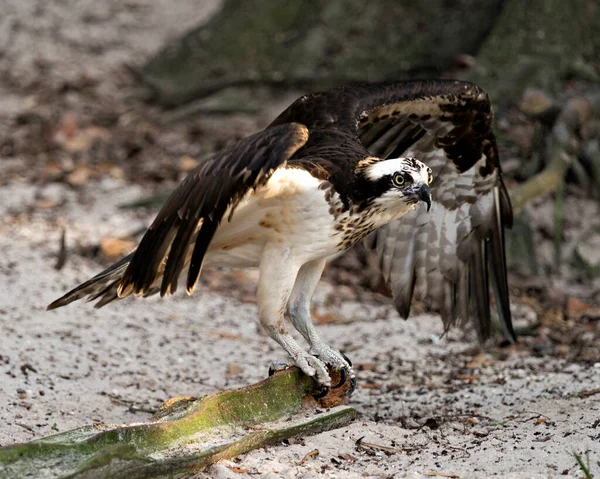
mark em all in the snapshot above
pixel 424 195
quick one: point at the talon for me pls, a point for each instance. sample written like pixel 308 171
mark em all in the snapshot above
pixel 278 365
pixel 352 385
pixel 346 358
pixel 344 376
pixel 322 393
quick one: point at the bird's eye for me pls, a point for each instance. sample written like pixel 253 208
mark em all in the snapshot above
pixel 398 179
pixel 430 179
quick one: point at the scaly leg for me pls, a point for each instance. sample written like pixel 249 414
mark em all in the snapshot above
pixel 299 313
pixel 278 272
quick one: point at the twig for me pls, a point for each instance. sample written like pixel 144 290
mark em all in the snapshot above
pixel 360 444
pixel 561 152
pixel 447 445
pixel 313 453
pixel 538 414
pixel 61 259
pixel 441 474
pixel 25 426
pixel 589 392
pixel 148 410
pixel 517 417
pixel 559 209
pixel 542 183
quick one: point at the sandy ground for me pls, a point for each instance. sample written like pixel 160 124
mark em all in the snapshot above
pixel 442 405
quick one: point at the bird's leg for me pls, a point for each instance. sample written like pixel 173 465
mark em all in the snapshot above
pixel 277 277
pixel 299 313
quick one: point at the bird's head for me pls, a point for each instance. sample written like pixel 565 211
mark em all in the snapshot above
pixel 397 184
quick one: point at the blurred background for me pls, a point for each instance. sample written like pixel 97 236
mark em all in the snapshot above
pixel 138 92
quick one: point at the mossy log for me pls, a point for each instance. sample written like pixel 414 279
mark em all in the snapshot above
pixel 186 435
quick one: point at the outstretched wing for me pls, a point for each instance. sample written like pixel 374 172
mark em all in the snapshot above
pixel 194 210
pixel 448 256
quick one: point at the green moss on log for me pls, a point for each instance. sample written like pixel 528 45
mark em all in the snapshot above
pixel 184 436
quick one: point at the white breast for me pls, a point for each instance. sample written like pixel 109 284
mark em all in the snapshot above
pixel 291 209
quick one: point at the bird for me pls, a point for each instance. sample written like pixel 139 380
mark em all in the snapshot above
pixel 408 168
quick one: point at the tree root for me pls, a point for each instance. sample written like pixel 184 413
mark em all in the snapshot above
pixel 561 152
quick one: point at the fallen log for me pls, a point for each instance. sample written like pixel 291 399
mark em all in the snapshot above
pixel 186 434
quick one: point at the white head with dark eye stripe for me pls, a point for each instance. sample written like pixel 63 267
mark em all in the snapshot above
pixel 398 184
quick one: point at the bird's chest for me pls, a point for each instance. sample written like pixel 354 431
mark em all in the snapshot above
pixel 315 223
pixel 349 224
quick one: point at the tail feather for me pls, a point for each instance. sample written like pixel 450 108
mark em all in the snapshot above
pixel 104 286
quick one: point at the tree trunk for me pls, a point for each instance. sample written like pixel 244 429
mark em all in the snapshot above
pixel 318 44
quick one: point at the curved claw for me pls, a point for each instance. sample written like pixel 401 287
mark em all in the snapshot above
pixel 352 386
pixel 344 376
pixel 324 390
pixel 346 358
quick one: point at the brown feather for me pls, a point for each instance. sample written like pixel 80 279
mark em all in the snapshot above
pixel 203 199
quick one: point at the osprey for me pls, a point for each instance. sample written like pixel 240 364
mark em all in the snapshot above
pixel 333 169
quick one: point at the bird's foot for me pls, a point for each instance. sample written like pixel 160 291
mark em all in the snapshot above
pixel 315 363
pixel 336 361
pixel 308 364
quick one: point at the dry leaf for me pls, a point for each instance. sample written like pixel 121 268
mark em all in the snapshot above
pixel 313 453
pixel 84 140
pixel 366 367
pixel 563 350
pixel 478 361
pixel 78 176
pixel 225 334
pixel 535 102
pixel 370 386
pixel 233 369
pixel 237 470
pixel 347 457
pixel 67 129
pixel 115 248
pixel 326 318
pixel 116 172
pixel 73 139
pixel 187 164
pixel 575 307
pixel 45 203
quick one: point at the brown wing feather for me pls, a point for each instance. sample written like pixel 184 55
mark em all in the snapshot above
pixel 190 216
pixel 443 256
pixel 103 284
pixel 193 211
